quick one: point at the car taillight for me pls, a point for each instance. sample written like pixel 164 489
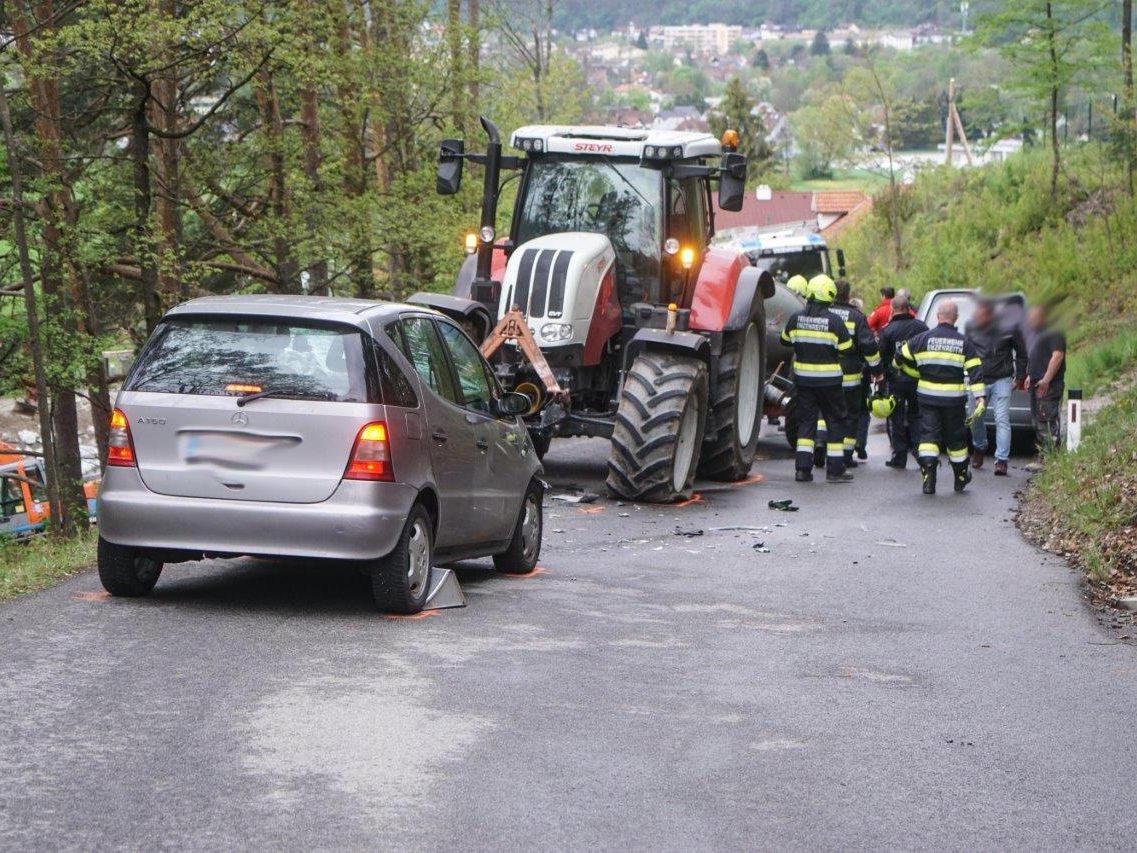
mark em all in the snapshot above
pixel 120 448
pixel 371 456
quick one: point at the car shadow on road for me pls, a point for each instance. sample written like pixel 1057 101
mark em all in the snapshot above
pixel 292 587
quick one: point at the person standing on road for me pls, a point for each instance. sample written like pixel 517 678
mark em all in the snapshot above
pixel 943 362
pixel 903 424
pixel 819 339
pixel 1046 381
pixel 1004 369
pixel 880 315
pixel 863 354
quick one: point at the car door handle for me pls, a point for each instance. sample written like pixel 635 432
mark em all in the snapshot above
pixel 439 435
pixel 482 444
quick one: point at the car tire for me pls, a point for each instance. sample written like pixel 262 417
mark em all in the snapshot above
pixel 126 572
pixel 400 581
pixel 520 558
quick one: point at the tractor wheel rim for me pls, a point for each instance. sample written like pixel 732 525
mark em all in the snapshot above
pixel 418 558
pixel 749 385
pixel 685 445
pixel 531 528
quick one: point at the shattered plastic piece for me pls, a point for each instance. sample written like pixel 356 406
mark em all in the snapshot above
pixel 892 543
pixel 688 531
pixel 783 505
pixel 742 527
pixel 582 498
pixel 761 549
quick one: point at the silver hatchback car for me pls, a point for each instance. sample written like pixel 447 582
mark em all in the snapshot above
pixel 311 427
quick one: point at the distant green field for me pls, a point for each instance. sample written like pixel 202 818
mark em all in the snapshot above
pixel 852 179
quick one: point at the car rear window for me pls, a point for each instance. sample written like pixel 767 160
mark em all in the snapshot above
pixel 227 356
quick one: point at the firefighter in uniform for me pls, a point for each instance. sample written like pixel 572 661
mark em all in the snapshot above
pixel 819 339
pixel 943 362
pixel 864 352
pixel 903 424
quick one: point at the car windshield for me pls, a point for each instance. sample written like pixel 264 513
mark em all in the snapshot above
pixel 227 356
pixel 620 200
pixel 965 302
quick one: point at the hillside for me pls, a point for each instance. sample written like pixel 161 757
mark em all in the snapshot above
pixel 577 14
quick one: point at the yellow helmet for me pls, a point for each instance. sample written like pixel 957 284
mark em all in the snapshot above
pixel 822 288
pixel 799 285
pixel 882 407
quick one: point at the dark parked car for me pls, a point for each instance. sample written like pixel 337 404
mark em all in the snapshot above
pixel 1011 311
pixel 325 428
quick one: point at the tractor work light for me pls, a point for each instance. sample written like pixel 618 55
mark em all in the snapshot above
pixel 553 332
pixel 662 152
pixel 687 257
pixel 487 233
pixel 671 246
pixel 471 243
pixel 531 145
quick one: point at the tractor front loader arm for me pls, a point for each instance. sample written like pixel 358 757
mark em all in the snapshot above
pixel 514 328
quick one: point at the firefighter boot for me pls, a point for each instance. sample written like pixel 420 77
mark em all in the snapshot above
pixel 962 475
pixel 928 473
pixel 803 475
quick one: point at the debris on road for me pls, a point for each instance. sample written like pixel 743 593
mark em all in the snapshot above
pixel 746 528
pixel 892 543
pixel 582 498
pixel 783 505
pixel 688 531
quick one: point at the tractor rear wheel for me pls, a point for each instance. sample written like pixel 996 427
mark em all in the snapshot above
pixel 659 428
pixel 737 406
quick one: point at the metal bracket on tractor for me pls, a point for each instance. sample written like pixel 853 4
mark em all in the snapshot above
pixel 513 327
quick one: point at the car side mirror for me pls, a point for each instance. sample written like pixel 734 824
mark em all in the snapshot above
pixel 514 403
pixel 449 177
pixel 732 182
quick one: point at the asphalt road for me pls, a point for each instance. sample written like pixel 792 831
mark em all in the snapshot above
pixel 897 672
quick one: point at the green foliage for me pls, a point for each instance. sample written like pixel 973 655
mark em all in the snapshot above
pixel 1093 493
pixel 37 563
pixel 820 44
pixel 737 111
pixel 828 132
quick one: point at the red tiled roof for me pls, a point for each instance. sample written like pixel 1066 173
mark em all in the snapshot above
pixel 783 207
pixel 837 201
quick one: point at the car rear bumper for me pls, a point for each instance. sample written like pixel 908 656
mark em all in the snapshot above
pixel 360 521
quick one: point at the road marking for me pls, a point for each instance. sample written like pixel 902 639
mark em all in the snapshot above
pixel 540 570
pixel 591 510
pixel 400 616
pixel 101 595
pixel 696 498
pixel 749 481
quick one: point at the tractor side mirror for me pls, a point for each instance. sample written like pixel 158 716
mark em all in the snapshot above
pixel 732 181
pixel 513 403
pixel 450 161
pixel 840 263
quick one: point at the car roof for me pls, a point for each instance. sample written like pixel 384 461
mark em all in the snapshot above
pixel 356 312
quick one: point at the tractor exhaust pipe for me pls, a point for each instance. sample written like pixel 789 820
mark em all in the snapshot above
pixel 483 287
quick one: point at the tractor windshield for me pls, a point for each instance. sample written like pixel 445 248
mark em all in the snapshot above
pixel 619 200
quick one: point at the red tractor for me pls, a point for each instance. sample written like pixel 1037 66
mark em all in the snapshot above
pixel 607 304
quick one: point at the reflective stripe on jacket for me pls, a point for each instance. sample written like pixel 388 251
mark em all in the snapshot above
pixel 945 363
pixel 864 350
pixel 819 340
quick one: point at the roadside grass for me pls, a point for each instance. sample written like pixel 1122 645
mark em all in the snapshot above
pixel 1097 365
pixel 1092 496
pixel 33 564
pixel 850 179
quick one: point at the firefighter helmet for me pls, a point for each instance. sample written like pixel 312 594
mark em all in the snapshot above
pixel 798 285
pixel 882 406
pixel 822 288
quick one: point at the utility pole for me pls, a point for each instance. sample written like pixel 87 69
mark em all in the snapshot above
pixel 955 126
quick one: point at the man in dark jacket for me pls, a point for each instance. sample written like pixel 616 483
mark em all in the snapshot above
pixel 903 425
pixel 944 363
pixel 819 340
pixel 864 353
pixel 1003 354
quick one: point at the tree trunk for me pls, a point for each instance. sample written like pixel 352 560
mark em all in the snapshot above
pixel 473 26
pixel 1130 123
pixel 1055 70
pixel 313 160
pixel 35 341
pixel 148 292
pixel 454 37
pixel 352 132
pixel 164 115
pixel 283 263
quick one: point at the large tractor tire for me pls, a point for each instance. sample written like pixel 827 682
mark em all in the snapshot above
pixel 737 406
pixel 659 428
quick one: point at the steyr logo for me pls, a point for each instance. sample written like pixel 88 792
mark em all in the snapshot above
pixel 240 419
pixel 593 147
